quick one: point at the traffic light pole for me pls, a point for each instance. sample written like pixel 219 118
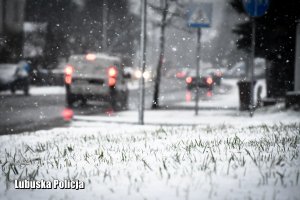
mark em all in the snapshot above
pixel 143 62
pixel 198 70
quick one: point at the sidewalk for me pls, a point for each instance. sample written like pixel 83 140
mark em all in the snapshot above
pixel 216 110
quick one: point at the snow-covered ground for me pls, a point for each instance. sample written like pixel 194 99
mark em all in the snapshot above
pixel 38 91
pixel 47 90
pixel 220 154
pixel 228 99
pixel 216 110
pixel 152 162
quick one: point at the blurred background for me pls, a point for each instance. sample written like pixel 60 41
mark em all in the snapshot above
pixel 38 36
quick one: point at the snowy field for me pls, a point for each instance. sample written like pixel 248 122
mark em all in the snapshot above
pixel 220 154
pixel 153 162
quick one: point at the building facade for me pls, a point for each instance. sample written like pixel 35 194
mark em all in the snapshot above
pixel 12 13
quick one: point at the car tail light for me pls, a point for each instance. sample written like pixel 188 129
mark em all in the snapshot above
pixel 209 80
pixel 218 73
pixel 112 72
pixel 112 82
pixel 68 74
pixel 189 80
pixel 180 74
pixel 112 76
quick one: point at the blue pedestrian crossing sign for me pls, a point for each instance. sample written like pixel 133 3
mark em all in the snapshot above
pixel 256 8
pixel 200 15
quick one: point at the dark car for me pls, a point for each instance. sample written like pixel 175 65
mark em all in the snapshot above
pixel 216 74
pixel 205 80
pixel 14 77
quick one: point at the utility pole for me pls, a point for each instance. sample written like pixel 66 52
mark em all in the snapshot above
pixel 143 61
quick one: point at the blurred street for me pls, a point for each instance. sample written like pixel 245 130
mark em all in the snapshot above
pixel 42 110
pixel 19 113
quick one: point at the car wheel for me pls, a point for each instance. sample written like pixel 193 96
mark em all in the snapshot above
pixel 116 104
pixel 13 89
pixel 125 102
pixel 26 90
pixel 116 100
pixel 189 87
pixel 70 100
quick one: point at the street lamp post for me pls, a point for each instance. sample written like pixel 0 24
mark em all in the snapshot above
pixel 143 62
pixel 198 70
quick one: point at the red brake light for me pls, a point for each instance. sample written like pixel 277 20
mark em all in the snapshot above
pixel 209 80
pixel 112 81
pixel 112 75
pixel 68 79
pixel 189 80
pixel 69 70
pixel 68 74
pixel 112 71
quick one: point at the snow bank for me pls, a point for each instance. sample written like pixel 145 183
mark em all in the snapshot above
pixel 152 162
pixel 47 90
pixel 216 110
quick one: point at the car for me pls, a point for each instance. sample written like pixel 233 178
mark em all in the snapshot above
pixel 182 74
pixel 137 74
pixel 239 70
pixel 58 73
pixel 216 74
pixel 204 80
pixel 96 76
pixel 14 77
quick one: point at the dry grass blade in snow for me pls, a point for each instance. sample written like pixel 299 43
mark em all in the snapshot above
pixel 188 162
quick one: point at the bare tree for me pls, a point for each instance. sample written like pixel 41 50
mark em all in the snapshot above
pixel 167 17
